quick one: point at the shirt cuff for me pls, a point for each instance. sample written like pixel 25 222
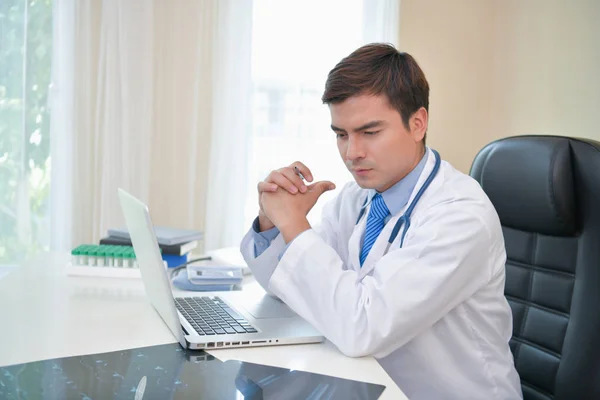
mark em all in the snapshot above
pixel 262 240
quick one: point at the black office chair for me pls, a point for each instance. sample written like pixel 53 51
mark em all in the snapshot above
pixel 546 190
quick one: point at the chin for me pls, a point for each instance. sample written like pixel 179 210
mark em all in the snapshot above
pixel 366 183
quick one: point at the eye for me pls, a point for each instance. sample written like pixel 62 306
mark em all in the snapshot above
pixel 371 133
pixel 341 135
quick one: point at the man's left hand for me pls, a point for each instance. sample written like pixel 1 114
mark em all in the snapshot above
pixel 288 211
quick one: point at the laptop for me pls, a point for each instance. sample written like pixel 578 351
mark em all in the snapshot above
pixel 205 320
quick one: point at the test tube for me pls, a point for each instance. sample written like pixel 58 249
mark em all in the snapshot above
pixel 108 255
pixel 124 260
pixel 100 256
pixel 111 255
pixel 91 251
pixel 83 255
pixel 123 256
pixel 130 257
pixel 114 252
pixel 118 259
pixel 75 255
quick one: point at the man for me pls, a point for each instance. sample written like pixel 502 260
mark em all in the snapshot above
pixel 408 262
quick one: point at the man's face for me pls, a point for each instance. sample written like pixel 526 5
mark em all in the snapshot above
pixel 374 143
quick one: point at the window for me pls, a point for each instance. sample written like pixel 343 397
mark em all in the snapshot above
pixel 25 66
pixel 294 46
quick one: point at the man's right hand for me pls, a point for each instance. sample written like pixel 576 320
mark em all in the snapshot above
pixel 286 179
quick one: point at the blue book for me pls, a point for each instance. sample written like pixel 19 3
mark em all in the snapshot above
pixel 174 260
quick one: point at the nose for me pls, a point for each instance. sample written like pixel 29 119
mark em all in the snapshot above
pixel 355 150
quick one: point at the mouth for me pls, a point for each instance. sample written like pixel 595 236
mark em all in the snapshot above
pixel 361 171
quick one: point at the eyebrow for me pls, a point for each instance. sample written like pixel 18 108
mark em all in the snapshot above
pixel 368 125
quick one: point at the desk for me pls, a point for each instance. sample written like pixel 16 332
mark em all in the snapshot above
pixel 47 314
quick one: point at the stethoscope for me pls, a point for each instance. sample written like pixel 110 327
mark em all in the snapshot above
pixel 404 220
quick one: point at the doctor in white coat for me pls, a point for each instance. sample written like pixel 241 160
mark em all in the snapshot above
pixel 408 262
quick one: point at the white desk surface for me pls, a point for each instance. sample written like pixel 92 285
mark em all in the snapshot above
pixel 46 314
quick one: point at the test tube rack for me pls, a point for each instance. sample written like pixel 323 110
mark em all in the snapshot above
pixel 103 261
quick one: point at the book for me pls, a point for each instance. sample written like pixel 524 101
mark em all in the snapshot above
pixel 164 235
pixel 175 249
pixel 173 260
pixel 214 275
pixel 182 282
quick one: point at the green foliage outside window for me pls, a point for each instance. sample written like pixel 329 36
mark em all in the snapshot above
pixel 25 71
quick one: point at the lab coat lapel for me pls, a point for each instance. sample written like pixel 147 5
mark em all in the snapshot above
pixel 380 245
pixel 378 249
pixel 355 242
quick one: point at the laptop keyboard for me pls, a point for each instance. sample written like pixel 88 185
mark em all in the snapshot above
pixel 212 316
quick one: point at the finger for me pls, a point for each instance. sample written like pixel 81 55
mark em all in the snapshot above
pixel 303 170
pixel 266 187
pixel 321 187
pixel 283 182
pixel 293 177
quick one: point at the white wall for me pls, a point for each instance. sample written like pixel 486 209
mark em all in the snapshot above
pixel 502 68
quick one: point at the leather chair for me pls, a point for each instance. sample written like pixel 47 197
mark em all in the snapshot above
pixel 546 190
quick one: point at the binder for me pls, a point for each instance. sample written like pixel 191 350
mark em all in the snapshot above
pixel 164 235
pixel 175 249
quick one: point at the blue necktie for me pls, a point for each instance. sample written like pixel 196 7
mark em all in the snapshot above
pixel 375 223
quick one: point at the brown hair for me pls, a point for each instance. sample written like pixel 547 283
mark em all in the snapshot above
pixel 376 69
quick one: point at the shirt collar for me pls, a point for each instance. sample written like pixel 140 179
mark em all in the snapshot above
pixel 397 196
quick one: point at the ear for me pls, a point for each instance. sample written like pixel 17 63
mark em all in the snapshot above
pixel 418 124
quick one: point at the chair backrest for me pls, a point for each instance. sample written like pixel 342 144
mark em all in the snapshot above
pixel 546 190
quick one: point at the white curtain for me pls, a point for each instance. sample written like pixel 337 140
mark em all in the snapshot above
pixel 232 124
pixel 293 47
pixel 114 92
pixel 381 21
pixel 138 117
pixel 61 124
pixel 189 104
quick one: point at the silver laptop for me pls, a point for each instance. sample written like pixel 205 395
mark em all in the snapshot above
pixel 206 320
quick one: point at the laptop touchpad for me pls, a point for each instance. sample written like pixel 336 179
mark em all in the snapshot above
pixel 269 307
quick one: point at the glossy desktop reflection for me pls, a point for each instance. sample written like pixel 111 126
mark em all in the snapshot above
pixel 169 372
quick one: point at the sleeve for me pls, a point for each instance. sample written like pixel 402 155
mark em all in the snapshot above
pixel 262 240
pixel 263 263
pixel 445 261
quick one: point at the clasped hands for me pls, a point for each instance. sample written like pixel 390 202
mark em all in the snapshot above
pixel 285 200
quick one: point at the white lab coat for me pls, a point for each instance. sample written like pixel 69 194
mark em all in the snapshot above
pixel 432 312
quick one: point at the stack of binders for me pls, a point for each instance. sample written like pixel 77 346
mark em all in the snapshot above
pixel 175 244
